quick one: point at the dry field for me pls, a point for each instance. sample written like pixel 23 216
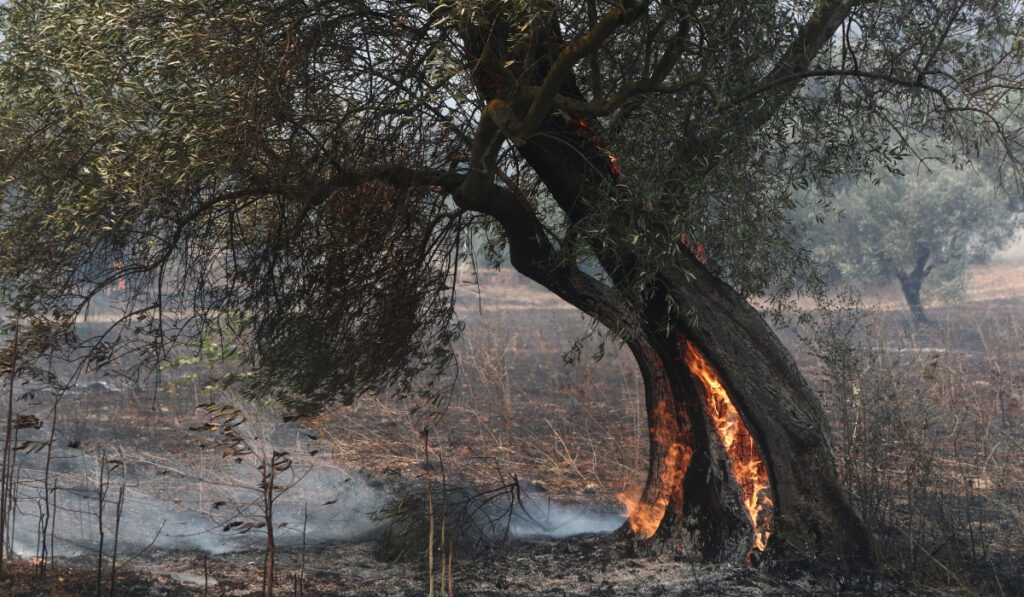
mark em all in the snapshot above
pixel 928 425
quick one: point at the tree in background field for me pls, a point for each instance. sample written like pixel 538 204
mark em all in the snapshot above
pixel 922 229
pixel 307 173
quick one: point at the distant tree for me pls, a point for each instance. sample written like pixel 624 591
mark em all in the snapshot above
pixel 308 171
pixel 923 229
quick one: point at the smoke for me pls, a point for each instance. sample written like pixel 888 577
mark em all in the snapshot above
pixel 181 497
pixel 179 510
pixel 539 516
pixel 218 509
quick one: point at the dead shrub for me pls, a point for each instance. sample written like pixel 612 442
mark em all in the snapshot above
pixel 471 518
pixel 927 428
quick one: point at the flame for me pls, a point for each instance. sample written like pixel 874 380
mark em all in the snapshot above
pixel 644 517
pixel 747 466
pixel 590 135
pixel 695 247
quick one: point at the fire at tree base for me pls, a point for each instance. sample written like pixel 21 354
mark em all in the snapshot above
pixel 712 498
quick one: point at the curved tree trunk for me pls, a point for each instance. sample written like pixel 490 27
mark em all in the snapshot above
pixel 690 488
pixel 812 515
pixel 702 506
pixel 912 294
pixel 690 491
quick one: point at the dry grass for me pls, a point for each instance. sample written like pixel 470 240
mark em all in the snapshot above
pixel 928 424
pixel 928 427
pixel 577 433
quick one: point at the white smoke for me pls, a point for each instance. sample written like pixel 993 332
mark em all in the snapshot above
pixel 177 508
pixel 539 516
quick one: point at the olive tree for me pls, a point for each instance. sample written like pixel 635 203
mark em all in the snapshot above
pixel 305 172
pixel 923 229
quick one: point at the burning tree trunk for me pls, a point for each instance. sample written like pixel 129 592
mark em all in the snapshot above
pixel 690 498
pixel 759 472
pixel 740 451
pixel 740 456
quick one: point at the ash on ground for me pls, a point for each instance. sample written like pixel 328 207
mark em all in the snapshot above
pixel 585 565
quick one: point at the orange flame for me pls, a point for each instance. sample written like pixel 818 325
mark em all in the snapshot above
pixel 695 247
pixel 644 517
pixel 747 466
pixel 588 133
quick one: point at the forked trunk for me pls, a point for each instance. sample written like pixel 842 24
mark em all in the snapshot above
pixel 694 498
pixel 690 499
pixel 805 514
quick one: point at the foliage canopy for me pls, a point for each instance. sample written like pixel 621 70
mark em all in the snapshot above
pixel 306 173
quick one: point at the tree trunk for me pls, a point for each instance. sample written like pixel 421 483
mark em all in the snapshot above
pixel 703 512
pixel 911 286
pixel 689 479
pixel 689 498
pixel 812 516
pixel 691 493
pixel 912 293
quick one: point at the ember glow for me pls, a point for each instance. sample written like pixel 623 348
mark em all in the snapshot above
pixel 747 466
pixel 645 517
pixel 588 133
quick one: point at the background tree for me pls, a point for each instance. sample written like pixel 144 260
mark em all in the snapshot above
pixel 923 229
pixel 304 172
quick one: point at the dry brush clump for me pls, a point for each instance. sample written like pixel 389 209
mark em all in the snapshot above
pixel 928 426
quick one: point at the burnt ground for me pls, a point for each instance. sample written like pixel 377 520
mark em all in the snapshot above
pixel 948 473
pixel 586 565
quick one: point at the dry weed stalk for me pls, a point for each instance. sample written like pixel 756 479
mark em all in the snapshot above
pixel 430 519
pixel 8 454
pixel 227 423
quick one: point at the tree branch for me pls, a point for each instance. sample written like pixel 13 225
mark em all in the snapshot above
pixel 603 107
pixel 561 70
pixel 792 78
pixel 811 38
